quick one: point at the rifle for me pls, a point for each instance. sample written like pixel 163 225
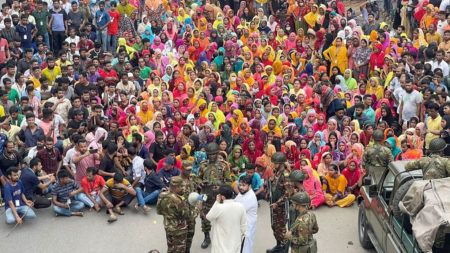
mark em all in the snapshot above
pixel 288 223
pixel 269 186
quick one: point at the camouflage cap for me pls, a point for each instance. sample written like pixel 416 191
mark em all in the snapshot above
pixel 186 165
pixel 176 181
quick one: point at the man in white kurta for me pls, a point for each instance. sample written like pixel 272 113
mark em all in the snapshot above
pixel 248 199
pixel 228 221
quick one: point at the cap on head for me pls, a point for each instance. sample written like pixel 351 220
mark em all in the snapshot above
pixel 176 181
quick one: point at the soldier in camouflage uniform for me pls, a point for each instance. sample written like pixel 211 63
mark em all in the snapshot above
pixel 377 158
pixel 301 233
pixel 191 183
pixel 281 192
pixel 434 166
pixel 174 208
pixel 211 174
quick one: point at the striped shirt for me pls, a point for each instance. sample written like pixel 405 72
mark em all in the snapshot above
pixel 62 191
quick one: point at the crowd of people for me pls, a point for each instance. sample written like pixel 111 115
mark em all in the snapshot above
pixel 102 102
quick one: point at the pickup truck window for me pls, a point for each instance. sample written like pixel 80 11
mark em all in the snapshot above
pixel 387 187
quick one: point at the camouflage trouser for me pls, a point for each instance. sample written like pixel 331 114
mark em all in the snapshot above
pixel 176 242
pixel 279 224
pixel 299 249
pixel 206 206
pixel 190 233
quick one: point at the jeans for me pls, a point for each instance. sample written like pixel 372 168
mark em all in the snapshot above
pixel 75 206
pixel 46 39
pixel 145 197
pixel 83 198
pixel 24 211
pixel 102 38
pixel 111 43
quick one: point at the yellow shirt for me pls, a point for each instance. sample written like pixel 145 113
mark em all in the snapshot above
pixel 436 37
pixel 51 74
pixel 432 124
pixel 36 82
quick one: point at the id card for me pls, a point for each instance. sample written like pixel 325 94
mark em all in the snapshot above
pixel 17 203
pixel 25 37
pixel 42 23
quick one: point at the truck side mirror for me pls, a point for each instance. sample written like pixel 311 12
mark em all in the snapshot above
pixel 373 190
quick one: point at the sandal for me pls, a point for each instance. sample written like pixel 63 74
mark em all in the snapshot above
pixel 112 218
pixel 118 210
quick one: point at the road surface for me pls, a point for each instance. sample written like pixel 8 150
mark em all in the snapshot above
pixel 138 232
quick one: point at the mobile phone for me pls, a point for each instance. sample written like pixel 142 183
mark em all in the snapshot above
pixel 93 151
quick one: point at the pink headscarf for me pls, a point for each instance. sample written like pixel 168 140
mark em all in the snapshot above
pixel 151 137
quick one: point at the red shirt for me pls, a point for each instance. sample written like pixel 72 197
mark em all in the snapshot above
pixel 113 27
pixel 92 187
pixel 88 44
pixel 105 74
pixel 3 48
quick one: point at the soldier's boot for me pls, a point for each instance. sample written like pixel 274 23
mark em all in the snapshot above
pixel 207 241
pixel 276 249
pixel 187 251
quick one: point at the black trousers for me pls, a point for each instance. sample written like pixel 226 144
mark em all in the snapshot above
pixel 40 201
pixel 58 39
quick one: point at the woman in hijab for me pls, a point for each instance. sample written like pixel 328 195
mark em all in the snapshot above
pixel 392 144
pixel 362 58
pixel 377 57
pixel 315 144
pixel 445 133
pixel 313 186
pixel 350 82
pixel 337 55
pixel 353 175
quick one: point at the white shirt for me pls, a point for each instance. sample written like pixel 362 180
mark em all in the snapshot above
pixel 441 26
pixel 410 101
pixel 250 203
pixel 68 159
pixel 138 168
pixel 229 222
pixel 442 65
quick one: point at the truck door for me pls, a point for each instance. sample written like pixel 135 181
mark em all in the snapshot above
pixel 379 207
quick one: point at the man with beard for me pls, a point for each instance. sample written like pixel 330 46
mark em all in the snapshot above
pixel 35 185
pixel 248 199
pixel 17 206
pixel 51 71
pixel 410 103
pixel 108 73
pixel 10 158
pixel 50 157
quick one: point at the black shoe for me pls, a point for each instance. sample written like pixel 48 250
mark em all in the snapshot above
pixel 207 241
pixel 275 249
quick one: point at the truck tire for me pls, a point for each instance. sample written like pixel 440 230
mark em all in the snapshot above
pixel 399 194
pixel 363 227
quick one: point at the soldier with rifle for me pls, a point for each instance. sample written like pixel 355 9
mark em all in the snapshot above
pixel 377 158
pixel 280 192
pixel 435 166
pixel 301 233
pixel 191 183
pixel 212 174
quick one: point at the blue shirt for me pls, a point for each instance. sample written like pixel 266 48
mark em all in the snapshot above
pixel 25 35
pixel 58 20
pixel 31 138
pixel 102 17
pixel 30 181
pixel 256 181
pixel 152 183
pixel 167 175
pixel 143 152
pixel 14 194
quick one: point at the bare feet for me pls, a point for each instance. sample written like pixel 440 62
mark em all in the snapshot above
pixel 147 208
pixel 118 210
pixel 77 214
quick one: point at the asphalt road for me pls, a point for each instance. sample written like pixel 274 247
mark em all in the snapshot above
pixel 138 232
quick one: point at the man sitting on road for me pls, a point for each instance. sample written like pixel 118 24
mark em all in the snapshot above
pixel 36 187
pixel 116 193
pixel 17 206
